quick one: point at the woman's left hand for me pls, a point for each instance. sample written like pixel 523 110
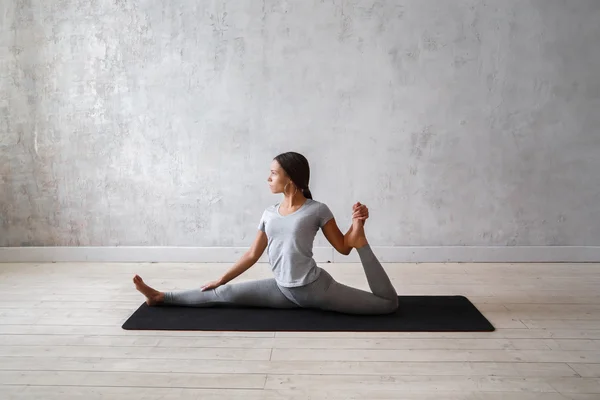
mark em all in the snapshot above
pixel 360 211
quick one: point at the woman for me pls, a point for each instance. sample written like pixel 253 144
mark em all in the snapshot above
pixel 287 230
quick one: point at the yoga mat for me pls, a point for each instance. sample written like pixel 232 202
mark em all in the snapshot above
pixel 415 314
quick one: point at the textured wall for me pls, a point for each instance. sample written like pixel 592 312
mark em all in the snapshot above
pixel 154 122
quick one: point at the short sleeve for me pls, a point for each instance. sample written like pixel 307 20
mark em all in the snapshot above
pixel 325 214
pixel 261 224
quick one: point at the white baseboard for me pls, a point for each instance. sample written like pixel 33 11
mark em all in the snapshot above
pixel 137 254
pixel 321 254
pixel 482 254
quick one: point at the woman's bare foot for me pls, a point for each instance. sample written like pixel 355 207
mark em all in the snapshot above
pixel 356 237
pixel 152 296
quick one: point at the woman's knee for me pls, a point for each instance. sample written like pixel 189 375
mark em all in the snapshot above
pixel 228 294
pixel 392 305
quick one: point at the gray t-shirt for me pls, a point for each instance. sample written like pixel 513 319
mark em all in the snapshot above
pixel 290 241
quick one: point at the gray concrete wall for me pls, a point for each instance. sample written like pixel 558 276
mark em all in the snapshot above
pixel 154 122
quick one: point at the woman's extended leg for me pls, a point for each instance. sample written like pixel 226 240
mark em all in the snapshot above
pixel 257 293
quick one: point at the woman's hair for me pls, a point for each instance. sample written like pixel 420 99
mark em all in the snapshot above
pixel 296 166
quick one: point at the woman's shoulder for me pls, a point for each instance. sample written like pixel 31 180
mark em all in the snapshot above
pixel 310 203
pixel 317 203
pixel 318 206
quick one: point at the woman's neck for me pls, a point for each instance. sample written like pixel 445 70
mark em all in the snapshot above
pixel 291 201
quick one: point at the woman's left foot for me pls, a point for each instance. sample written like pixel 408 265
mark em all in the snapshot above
pixel 356 237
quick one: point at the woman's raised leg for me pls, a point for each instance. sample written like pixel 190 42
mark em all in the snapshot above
pixel 331 295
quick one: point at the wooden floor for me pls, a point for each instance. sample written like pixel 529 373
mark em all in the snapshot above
pixel 61 338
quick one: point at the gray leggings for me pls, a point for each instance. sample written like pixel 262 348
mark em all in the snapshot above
pixel 324 293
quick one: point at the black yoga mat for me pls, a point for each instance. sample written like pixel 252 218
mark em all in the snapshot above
pixel 415 314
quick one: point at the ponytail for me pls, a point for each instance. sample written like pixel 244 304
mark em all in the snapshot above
pixel 306 192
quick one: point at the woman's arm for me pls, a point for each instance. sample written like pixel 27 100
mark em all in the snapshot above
pixel 245 262
pixel 335 236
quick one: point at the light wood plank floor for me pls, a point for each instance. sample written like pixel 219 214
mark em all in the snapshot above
pixel 61 338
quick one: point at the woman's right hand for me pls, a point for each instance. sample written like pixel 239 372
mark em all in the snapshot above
pixel 211 285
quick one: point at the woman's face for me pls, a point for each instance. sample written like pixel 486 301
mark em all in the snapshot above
pixel 277 178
